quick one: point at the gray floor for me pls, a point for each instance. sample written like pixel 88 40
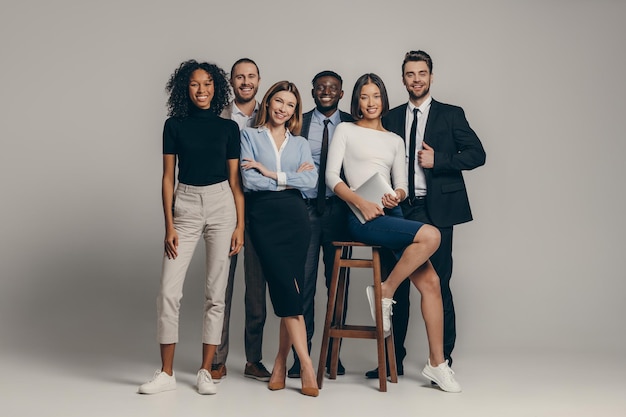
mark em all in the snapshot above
pixel 85 353
pixel 520 384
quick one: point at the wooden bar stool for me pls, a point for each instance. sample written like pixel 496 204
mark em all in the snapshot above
pixel 334 329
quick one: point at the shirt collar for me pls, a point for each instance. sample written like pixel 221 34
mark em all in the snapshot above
pixel 319 118
pixel 235 109
pixel 264 128
pixel 423 107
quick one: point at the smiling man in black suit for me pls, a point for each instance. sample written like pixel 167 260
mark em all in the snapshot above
pixel 440 145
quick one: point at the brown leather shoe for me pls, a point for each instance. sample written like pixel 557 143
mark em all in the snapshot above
pixel 256 370
pixel 218 372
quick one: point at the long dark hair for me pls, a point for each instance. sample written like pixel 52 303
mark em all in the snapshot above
pixel 371 78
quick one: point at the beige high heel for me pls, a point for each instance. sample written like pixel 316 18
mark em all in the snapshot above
pixel 310 391
pixel 275 386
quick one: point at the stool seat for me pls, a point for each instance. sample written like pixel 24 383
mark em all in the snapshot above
pixel 335 330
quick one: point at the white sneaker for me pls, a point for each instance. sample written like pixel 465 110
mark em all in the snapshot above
pixel 205 383
pixel 160 382
pixel 442 375
pixel 387 308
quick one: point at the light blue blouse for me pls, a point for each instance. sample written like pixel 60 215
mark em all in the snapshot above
pixel 257 144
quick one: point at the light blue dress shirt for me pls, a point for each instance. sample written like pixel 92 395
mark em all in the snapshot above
pixel 316 130
pixel 257 144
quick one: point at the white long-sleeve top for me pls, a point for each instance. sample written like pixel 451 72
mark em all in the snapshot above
pixel 362 152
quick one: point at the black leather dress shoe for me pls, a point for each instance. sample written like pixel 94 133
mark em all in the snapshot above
pixel 340 369
pixel 373 374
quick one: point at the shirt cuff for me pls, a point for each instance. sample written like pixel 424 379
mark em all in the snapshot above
pixel 281 181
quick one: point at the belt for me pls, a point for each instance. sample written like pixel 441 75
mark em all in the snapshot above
pixel 313 201
pixel 415 201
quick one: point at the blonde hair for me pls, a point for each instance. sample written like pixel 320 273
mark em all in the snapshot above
pixel 294 124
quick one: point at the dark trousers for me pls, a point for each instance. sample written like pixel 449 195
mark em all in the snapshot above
pixel 442 262
pixel 254 302
pixel 255 306
pixel 325 228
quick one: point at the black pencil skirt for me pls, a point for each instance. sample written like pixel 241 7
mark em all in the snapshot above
pixel 280 231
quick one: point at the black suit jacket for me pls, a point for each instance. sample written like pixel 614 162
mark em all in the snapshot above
pixel 457 148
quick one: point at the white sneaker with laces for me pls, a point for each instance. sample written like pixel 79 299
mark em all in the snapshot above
pixel 205 383
pixel 442 375
pixel 387 308
pixel 160 382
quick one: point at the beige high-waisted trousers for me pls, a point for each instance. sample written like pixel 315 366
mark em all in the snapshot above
pixel 207 212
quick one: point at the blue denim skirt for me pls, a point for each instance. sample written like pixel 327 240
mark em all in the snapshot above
pixel 391 231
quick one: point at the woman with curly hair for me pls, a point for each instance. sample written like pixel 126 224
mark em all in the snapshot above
pixel 207 202
pixel 276 165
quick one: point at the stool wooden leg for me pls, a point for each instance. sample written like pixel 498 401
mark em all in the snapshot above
pixel 391 358
pixel 340 303
pixel 391 352
pixel 334 327
pixel 380 338
pixel 332 294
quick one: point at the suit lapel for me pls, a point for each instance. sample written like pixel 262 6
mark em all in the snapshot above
pixel 345 117
pixel 307 118
pixel 433 114
pixel 306 124
pixel 401 120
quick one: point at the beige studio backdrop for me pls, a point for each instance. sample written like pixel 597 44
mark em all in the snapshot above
pixel 82 106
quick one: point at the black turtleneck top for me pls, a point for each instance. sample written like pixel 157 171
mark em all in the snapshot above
pixel 203 143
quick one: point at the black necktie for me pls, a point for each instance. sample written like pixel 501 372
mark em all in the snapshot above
pixel 412 141
pixel 321 180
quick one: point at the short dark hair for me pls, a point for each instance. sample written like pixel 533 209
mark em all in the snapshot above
pixel 355 109
pixel 418 56
pixel 244 61
pixel 295 123
pixel 327 73
pixel 179 103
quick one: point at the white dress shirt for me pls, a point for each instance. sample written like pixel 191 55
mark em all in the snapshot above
pixel 422 117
